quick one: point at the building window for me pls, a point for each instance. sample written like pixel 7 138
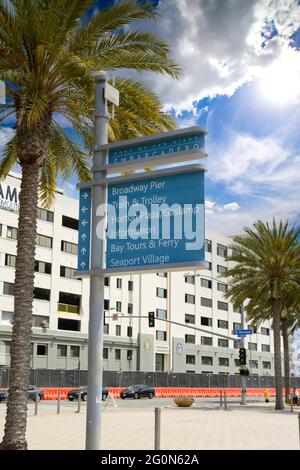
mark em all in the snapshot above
pixel 190 339
pixel 162 274
pixel 223 324
pixel 237 363
pixel 221 269
pixel 206 360
pixel 45 215
pixel 68 325
pixel 0 230
pixel 129 331
pixel 68 247
pixel 65 271
pixel 117 354
pixel 221 250
pixel 265 331
pixel 223 306
pixel 106 304
pixel 189 299
pixel 75 351
pixel 42 349
pixel 162 293
pixel 190 279
pixel 42 267
pixel 205 302
pixel 222 287
pixel 205 321
pixel 253 364
pixel 161 313
pixel 265 348
pixel 236 344
pixel 39 321
pixel 208 246
pixel 161 335
pixel 41 294
pixel 130 308
pixel 12 232
pixel 105 353
pixel 129 354
pixel 61 350
pixel 206 283
pixel 208 265
pixel 10 260
pixel 224 361
pixel 206 341
pixel 106 329
pixel 118 330
pixel 130 285
pixel 69 222
pixel 106 281
pixel 189 319
pixel 223 343
pixel 266 365
pixel 8 288
pixel 7 318
pixel 237 309
pixel 237 326
pixel 42 240
pixel 189 359
pixel 119 283
pixel 119 306
pixel 252 346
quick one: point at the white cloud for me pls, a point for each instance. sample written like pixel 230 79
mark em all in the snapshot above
pixel 232 207
pixel 219 45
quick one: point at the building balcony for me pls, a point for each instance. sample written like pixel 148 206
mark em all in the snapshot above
pixel 67 308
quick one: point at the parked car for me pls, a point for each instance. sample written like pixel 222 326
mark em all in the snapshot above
pixel 32 391
pixel 73 394
pixel 138 391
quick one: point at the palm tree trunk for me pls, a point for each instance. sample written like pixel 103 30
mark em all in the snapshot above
pixel 277 354
pixel 16 417
pixel 286 349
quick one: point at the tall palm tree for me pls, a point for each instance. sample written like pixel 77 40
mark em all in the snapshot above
pixel 266 265
pixel 48 51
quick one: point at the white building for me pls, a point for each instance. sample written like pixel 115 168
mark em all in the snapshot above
pixel 61 303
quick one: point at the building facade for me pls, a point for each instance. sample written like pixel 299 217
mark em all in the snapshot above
pixel 194 300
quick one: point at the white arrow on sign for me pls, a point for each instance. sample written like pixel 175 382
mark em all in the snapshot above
pixel 83 236
pixel 84 222
pixel 83 250
pixel 85 195
pixel 84 209
pixel 83 264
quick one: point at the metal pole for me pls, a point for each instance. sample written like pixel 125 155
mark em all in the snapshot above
pixel 242 345
pixel 58 403
pixel 291 398
pixel 36 404
pixel 95 362
pixel 225 401
pixel 221 398
pixel 78 403
pixel 157 412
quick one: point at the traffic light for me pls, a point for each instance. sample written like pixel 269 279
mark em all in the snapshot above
pixel 151 319
pixel 242 355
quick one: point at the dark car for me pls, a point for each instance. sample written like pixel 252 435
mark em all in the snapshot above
pixel 32 393
pixel 73 394
pixel 137 391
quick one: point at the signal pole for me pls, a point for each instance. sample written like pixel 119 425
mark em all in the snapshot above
pixel 242 345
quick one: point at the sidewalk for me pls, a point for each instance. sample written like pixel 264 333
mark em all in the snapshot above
pixel 203 429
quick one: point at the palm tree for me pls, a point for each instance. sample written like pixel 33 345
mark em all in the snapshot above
pixel 48 51
pixel 267 264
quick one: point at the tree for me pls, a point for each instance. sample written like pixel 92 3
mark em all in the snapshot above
pixel 48 51
pixel 266 265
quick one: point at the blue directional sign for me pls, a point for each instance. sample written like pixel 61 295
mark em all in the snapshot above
pixel 84 230
pixel 242 332
pixel 156 221
pixel 191 140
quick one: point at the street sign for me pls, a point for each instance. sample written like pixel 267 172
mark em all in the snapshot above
pixel 112 94
pixel 156 222
pixel 179 141
pixel 84 230
pixel 242 332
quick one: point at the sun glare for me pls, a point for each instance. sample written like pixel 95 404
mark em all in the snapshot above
pixel 280 83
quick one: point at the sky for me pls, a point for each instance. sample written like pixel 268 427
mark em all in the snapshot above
pixel 241 81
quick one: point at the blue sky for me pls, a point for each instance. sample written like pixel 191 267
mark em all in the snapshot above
pixel 241 81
